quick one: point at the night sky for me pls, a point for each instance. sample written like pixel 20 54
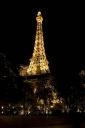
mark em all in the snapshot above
pixel 63 29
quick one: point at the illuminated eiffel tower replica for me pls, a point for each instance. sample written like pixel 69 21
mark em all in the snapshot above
pixel 38 63
pixel 39 92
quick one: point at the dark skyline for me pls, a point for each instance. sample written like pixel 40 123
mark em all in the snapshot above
pixel 63 34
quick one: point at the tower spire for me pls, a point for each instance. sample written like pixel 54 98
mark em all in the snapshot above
pixel 39 17
pixel 38 62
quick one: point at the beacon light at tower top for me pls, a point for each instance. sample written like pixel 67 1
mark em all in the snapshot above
pixel 39 17
pixel 38 62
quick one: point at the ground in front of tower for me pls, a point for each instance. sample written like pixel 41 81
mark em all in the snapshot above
pixel 60 121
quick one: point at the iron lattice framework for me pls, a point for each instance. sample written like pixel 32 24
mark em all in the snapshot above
pixel 38 62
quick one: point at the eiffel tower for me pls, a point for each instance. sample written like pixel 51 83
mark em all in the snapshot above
pixel 38 63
